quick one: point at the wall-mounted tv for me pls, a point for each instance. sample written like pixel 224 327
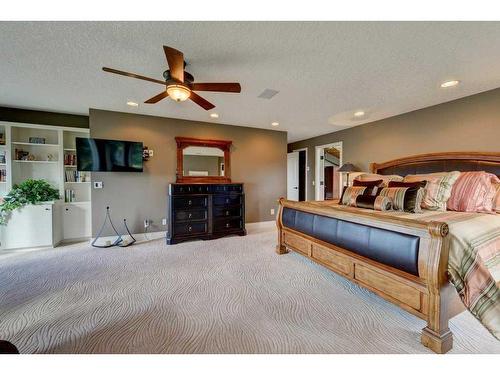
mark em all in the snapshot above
pixel 106 155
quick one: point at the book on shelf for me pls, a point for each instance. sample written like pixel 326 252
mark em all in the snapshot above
pixel 3 175
pixel 76 176
pixel 69 159
pixel 69 195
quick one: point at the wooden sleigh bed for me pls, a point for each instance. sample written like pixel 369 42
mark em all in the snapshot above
pixel 409 265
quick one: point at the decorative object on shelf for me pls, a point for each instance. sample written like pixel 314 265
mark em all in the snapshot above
pixel 37 140
pixel 3 175
pixel 348 168
pixel 20 154
pixel 27 192
pixel 2 158
pixel 50 157
pixel 2 139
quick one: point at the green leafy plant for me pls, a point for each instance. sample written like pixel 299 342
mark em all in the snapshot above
pixel 27 192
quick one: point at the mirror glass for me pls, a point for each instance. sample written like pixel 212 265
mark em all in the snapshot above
pixel 202 161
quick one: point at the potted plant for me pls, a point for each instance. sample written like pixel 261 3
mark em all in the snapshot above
pixel 27 192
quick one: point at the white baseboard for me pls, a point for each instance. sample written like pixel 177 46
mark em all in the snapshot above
pixel 261 224
pixel 140 237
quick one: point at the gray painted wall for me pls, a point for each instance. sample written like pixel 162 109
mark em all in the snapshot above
pixel 258 159
pixel 467 124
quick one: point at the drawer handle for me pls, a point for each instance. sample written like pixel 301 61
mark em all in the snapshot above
pixel 190 228
pixel 227 225
pixel 190 202
pixel 227 200
pixel 227 213
pixel 189 216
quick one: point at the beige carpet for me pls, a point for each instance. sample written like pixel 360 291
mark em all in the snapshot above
pixel 232 295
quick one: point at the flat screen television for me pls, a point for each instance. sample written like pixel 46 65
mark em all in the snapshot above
pixel 106 155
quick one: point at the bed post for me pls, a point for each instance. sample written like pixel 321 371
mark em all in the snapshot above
pixel 280 247
pixel 437 335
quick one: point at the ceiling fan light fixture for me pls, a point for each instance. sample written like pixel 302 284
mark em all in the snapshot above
pixel 179 93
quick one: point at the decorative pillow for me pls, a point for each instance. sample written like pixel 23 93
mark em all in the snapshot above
pixel 404 198
pixel 371 202
pixel 473 192
pixel 496 199
pixel 374 177
pixel 350 192
pixel 438 188
pixel 372 187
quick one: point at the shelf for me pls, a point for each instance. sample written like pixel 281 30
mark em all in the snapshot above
pixel 70 149
pixel 70 166
pixel 35 144
pixel 3 182
pixel 3 165
pixel 74 182
pixel 36 161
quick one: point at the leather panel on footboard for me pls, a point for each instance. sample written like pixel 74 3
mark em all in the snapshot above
pixel 398 250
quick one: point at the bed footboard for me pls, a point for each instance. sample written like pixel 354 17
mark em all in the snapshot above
pixel 426 294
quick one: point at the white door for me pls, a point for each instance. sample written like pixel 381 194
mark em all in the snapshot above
pixel 292 191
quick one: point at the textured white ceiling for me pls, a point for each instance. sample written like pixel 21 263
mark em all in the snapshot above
pixel 324 71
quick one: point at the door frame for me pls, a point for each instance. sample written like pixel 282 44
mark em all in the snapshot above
pixel 317 149
pixel 307 166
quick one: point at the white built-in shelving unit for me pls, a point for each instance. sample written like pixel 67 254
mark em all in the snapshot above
pixel 42 152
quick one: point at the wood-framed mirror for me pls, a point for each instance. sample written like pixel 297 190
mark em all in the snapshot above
pixel 203 160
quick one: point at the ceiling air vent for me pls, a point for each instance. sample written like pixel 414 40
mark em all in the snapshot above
pixel 268 94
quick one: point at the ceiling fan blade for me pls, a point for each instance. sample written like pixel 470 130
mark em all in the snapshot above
pixel 201 102
pixel 175 61
pixel 157 98
pixel 126 74
pixel 220 87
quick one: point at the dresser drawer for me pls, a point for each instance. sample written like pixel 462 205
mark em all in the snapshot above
pixel 221 211
pixel 227 188
pixel 227 200
pixel 191 215
pixel 222 225
pixel 190 189
pixel 186 229
pixel 190 202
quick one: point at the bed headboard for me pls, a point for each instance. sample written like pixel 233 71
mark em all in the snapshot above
pixel 441 162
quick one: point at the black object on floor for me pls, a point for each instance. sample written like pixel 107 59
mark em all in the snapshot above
pixel 7 347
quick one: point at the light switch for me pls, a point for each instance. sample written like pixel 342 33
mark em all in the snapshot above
pixel 97 184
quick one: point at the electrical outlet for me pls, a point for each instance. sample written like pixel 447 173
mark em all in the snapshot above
pixel 147 223
pixel 151 153
pixel 272 211
pixel 97 184
pixel 163 221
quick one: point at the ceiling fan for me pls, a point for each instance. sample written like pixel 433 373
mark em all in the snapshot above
pixel 180 84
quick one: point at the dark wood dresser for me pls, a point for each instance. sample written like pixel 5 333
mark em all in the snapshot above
pixel 205 211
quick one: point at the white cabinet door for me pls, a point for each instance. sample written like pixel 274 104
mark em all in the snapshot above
pixel 30 226
pixel 293 176
pixel 76 220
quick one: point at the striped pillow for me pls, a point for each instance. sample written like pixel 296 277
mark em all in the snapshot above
pixel 438 189
pixel 496 200
pixel 350 193
pixel 473 192
pixel 407 199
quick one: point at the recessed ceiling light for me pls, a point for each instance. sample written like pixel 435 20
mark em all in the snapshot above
pixel 214 115
pixel 359 114
pixel 132 104
pixel 275 123
pixel 449 83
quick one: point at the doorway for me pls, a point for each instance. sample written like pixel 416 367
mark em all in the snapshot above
pixel 297 175
pixel 328 181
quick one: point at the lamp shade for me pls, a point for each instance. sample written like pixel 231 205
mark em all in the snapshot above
pixel 348 167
